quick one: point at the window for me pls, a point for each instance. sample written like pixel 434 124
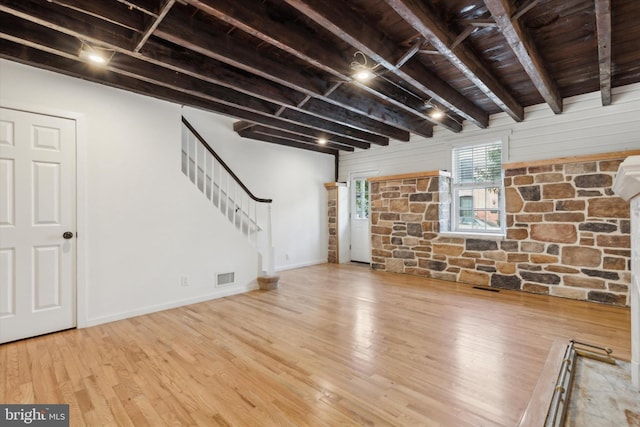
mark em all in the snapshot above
pixel 477 189
pixel 362 198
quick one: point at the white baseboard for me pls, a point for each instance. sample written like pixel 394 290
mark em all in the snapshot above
pixel 300 265
pixel 635 374
pixel 220 292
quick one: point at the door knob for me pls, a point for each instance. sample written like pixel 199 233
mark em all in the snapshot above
pixel 67 234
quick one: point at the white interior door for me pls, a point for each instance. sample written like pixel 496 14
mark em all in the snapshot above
pixel 360 241
pixel 37 207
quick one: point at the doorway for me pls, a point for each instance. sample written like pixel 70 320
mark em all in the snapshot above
pixel 360 209
pixel 37 224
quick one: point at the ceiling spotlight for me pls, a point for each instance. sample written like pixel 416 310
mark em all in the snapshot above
pixel 361 71
pixel 322 141
pixel 437 114
pixel 363 75
pixel 94 54
pixel 98 59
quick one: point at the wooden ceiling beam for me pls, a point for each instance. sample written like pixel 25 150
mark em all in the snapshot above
pixel 461 37
pixel 523 46
pixel 75 25
pixel 152 27
pixel 346 96
pixel 410 53
pixel 310 125
pixel 306 124
pixel 115 13
pixel 351 28
pixel 29 55
pixel 86 27
pixel 249 133
pixel 458 54
pixel 201 67
pixel 242 125
pixel 524 8
pixel 478 22
pixel 162 77
pixel 185 30
pixel 73 68
pixel 65 45
pixel 214 71
pixel 320 123
pixel 320 108
pixel 292 38
pixel 68 63
pixel 150 7
pixel 303 131
pixel 314 127
pixel 603 25
pixel 278 133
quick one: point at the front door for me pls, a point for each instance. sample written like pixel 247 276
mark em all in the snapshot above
pixel 37 224
pixel 360 243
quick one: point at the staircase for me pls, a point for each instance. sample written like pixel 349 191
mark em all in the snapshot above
pixel 226 192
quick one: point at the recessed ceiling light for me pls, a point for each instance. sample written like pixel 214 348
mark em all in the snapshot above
pixel 322 141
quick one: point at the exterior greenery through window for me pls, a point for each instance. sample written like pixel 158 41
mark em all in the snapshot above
pixel 477 189
pixel 362 198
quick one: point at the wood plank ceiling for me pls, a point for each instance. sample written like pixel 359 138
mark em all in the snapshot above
pixel 284 68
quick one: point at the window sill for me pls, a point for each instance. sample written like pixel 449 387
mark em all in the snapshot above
pixel 468 235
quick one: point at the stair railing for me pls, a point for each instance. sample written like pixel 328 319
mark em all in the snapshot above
pixel 215 179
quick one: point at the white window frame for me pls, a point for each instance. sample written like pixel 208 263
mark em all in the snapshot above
pixel 366 192
pixel 455 187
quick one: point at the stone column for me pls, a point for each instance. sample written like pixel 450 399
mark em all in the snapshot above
pixel 337 206
pixel 627 186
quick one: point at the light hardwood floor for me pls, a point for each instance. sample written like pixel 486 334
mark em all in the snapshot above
pixel 334 345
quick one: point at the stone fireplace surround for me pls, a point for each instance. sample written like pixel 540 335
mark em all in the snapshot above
pixel 567 234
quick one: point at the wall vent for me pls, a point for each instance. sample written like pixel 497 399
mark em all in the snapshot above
pixel 225 279
pixel 483 288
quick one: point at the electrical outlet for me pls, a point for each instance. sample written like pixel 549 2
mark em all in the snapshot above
pixel 184 281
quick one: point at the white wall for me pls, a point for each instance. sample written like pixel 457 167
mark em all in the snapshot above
pixel 293 178
pixel 585 127
pixel 142 223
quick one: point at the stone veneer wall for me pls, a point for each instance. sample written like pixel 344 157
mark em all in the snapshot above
pixel 332 221
pixel 567 235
